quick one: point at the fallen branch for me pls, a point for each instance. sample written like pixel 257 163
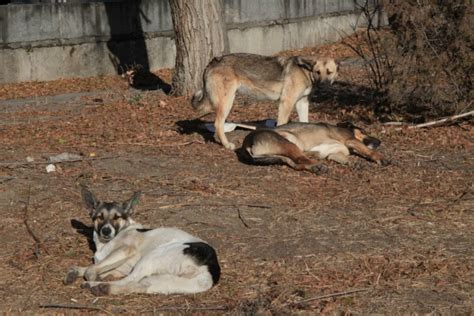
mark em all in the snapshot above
pixel 337 294
pixel 213 204
pixel 444 120
pixel 242 219
pixel 72 306
pixel 38 242
pixel 162 145
pixel 189 308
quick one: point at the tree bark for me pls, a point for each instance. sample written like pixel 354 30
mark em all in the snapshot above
pixel 200 35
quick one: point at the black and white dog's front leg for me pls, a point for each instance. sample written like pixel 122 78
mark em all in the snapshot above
pixel 73 273
pixel 114 260
pixel 101 268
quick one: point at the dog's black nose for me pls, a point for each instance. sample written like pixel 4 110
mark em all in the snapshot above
pixel 105 231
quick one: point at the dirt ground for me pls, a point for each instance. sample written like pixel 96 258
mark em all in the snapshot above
pixel 360 239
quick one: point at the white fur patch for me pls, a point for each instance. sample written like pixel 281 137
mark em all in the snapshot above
pixel 327 149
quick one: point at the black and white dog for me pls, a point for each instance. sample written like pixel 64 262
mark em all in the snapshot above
pixel 161 260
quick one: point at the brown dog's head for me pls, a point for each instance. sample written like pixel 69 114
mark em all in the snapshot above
pixel 324 69
pixel 109 218
pixel 361 135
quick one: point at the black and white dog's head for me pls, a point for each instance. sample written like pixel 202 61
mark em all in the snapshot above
pixel 109 218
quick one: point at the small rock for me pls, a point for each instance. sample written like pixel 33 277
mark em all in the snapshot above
pixel 50 168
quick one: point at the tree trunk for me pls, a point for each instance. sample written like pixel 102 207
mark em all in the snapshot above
pixel 200 34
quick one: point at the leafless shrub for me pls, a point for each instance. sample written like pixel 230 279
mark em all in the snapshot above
pixel 422 62
pixel 434 41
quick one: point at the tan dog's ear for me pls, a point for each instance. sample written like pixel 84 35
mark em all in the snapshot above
pixel 304 63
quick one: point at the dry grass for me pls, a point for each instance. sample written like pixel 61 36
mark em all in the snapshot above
pixel 403 233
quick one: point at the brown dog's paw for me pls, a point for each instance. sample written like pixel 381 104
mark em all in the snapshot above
pixel 319 169
pixel 71 276
pixel 101 289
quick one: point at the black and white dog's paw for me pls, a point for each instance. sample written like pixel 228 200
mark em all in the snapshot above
pixel 71 276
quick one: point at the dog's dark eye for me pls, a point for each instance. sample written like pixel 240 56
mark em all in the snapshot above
pixel 100 217
pixel 116 217
pixel 329 72
pixel 318 72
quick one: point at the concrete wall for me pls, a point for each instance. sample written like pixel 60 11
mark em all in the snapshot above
pixel 47 42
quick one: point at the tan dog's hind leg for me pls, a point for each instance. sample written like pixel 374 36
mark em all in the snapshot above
pixel 298 160
pixel 223 104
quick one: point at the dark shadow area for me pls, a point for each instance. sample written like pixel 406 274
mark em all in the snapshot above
pixel 345 94
pixel 86 231
pixel 188 127
pixel 127 45
pixel 142 79
pixel 197 126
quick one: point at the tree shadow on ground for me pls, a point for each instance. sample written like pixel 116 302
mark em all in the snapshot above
pixel 127 45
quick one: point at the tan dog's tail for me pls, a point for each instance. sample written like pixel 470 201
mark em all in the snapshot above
pixel 200 100
pixel 201 103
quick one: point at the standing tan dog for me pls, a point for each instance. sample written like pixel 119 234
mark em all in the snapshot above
pixel 291 144
pixel 285 79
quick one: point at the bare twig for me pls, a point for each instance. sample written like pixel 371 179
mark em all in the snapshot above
pixel 18 163
pixel 6 179
pixel 344 293
pixel 444 120
pixel 189 308
pixel 242 219
pixel 162 145
pixel 72 306
pixel 38 242
pixel 213 204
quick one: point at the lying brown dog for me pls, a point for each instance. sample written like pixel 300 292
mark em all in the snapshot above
pixel 291 144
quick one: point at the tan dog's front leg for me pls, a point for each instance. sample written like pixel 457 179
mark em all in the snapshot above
pixel 302 108
pixel 288 98
pixel 284 111
pixel 112 261
pixel 365 151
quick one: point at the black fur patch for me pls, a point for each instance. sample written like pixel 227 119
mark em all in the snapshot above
pixel 372 142
pixel 143 230
pixel 204 255
pixel 268 160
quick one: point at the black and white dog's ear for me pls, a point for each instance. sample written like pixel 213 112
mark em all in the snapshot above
pixel 304 63
pixel 130 204
pixel 89 198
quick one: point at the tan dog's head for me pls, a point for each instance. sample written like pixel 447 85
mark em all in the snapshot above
pixel 109 218
pixel 361 135
pixel 324 69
